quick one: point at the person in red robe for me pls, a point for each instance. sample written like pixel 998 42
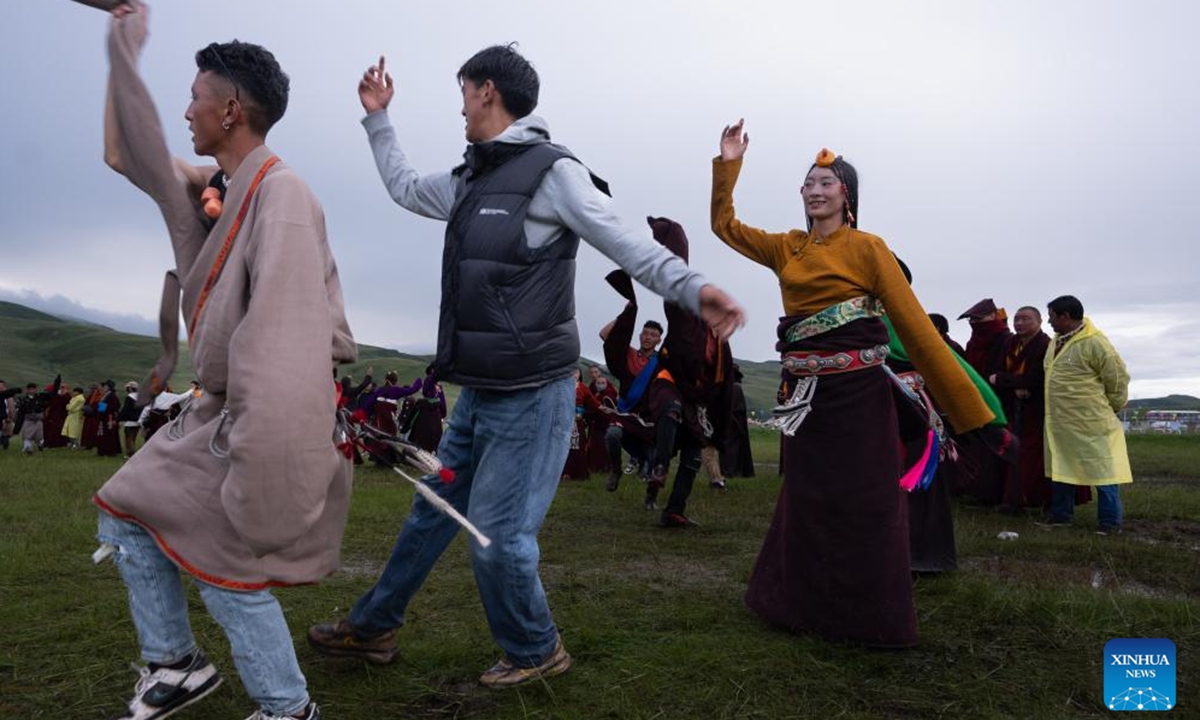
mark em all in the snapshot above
pixel 56 417
pixel 989 332
pixel 91 422
pixel 598 421
pixel 576 466
pixel 631 427
pixel 1021 387
pixel 108 430
pixel 985 353
pixel 381 403
pixel 421 417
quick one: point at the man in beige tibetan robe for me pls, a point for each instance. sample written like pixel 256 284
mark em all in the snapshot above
pixel 245 490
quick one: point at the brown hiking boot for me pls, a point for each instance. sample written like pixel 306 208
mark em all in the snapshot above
pixel 341 640
pixel 505 675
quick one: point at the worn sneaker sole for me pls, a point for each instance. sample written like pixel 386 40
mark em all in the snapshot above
pixel 517 677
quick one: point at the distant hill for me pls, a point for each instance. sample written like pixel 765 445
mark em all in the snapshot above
pixel 1170 402
pixel 20 312
pixel 35 346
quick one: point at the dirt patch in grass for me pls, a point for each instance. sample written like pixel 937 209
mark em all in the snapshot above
pixel 458 700
pixel 1060 575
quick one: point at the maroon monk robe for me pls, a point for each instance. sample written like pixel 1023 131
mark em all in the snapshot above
pixel 598 422
pixel 1026 484
pixel 91 420
pixel 56 417
pixel 108 430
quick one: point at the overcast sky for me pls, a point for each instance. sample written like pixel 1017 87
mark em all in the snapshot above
pixel 1016 150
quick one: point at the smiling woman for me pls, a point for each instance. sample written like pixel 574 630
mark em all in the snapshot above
pixel 836 557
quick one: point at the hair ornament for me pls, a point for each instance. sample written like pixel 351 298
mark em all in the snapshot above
pixel 825 158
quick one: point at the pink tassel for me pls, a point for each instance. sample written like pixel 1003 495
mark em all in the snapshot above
pixel 935 455
pixel 912 477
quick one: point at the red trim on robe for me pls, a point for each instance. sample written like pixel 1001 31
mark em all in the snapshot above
pixel 191 569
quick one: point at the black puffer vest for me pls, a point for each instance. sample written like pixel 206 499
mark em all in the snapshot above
pixel 508 312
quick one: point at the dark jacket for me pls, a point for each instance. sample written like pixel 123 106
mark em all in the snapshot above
pixel 508 311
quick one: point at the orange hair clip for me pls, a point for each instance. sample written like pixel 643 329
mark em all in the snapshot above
pixel 825 158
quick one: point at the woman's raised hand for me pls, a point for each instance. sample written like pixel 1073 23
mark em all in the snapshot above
pixel 376 88
pixel 734 141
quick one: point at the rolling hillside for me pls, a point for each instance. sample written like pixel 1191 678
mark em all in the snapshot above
pixel 34 347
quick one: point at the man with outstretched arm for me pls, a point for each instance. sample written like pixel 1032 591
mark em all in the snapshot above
pixel 515 211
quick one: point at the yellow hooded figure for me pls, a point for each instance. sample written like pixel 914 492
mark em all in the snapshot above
pixel 1086 385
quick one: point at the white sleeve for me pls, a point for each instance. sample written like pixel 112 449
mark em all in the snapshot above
pixel 431 196
pixel 576 203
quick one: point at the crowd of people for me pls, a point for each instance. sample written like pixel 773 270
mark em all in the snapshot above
pixel 597 440
pixel 1060 397
pixel 59 416
pixel 243 503
pixel 414 412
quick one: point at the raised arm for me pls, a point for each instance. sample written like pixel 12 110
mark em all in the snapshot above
pixel 589 213
pixel 133 136
pixel 431 196
pixel 760 246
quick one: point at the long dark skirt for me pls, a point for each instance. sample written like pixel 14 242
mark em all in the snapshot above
pixel 91 426
pixel 835 560
pixel 597 453
pixel 931 525
pixel 108 439
pixel 56 417
pixel 426 429
pixel 383 416
pixel 576 467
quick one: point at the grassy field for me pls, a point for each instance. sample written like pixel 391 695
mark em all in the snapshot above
pixel 653 618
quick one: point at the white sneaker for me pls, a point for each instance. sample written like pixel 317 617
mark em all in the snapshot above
pixel 164 691
pixel 310 713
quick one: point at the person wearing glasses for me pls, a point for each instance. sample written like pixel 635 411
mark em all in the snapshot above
pixel 245 490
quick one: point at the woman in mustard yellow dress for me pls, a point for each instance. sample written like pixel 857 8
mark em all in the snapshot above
pixel 836 558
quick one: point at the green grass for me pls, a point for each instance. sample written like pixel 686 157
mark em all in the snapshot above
pixel 1166 456
pixel 653 618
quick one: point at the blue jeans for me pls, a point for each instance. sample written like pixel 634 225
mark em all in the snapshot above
pixel 507 450
pixel 253 621
pixel 1109 509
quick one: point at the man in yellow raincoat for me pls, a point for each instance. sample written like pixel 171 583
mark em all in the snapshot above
pixel 1086 385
